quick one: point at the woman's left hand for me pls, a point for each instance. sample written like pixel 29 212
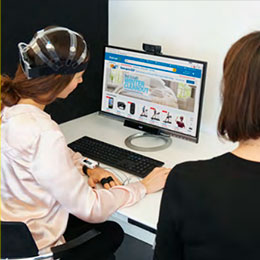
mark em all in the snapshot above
pixel 100 175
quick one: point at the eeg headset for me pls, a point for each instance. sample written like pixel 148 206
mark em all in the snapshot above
pixel 52 64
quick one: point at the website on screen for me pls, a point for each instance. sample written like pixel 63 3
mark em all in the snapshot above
pixel 156 90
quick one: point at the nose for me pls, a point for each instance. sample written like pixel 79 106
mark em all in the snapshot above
pixel 80 80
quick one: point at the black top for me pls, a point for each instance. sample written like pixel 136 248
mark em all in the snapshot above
pixel 211 210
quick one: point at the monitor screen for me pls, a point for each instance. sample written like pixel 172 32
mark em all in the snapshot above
pixel 160 91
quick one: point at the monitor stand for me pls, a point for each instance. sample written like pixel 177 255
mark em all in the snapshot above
pixel 166 142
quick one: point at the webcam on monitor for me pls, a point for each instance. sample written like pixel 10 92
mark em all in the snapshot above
pixel 152 49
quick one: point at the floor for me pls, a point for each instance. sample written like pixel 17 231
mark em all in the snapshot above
pixel 134 249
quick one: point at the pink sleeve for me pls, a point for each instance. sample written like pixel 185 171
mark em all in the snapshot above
pixel 76 158
pixel 54 169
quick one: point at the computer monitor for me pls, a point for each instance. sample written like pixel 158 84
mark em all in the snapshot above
pixel 156 93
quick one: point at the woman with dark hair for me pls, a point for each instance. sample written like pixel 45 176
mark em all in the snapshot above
pixel 210 209
pixel 41 178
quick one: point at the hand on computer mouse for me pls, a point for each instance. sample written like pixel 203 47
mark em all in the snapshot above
pixel 156 179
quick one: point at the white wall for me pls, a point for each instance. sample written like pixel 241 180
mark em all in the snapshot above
pixel 201 30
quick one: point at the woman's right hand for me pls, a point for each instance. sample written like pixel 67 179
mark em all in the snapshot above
pixel 156 179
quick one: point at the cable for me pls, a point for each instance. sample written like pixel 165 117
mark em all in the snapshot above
pixel 126 179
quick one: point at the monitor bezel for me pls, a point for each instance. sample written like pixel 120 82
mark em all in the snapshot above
pixel 161 129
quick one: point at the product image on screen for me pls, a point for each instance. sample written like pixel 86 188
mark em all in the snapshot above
pixel 160 91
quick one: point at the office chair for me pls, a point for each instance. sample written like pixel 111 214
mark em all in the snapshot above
pixel 17 243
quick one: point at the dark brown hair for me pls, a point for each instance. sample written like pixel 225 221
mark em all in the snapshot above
pixel 240 115
pixel 45 89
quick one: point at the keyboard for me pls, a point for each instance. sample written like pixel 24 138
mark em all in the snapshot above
pixel 114 156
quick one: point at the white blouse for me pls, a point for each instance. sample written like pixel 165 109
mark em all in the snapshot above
pixel 41 182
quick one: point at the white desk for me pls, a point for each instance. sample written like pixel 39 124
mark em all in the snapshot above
pixel 112 131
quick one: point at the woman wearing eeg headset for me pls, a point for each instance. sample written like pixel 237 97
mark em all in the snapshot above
pixel 41 181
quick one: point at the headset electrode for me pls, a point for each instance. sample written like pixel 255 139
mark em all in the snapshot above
pixel 52 64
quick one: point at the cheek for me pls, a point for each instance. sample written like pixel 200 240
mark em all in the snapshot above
pixel 73 85
pixel 68 90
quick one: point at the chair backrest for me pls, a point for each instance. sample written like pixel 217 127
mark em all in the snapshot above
pixel 16 240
